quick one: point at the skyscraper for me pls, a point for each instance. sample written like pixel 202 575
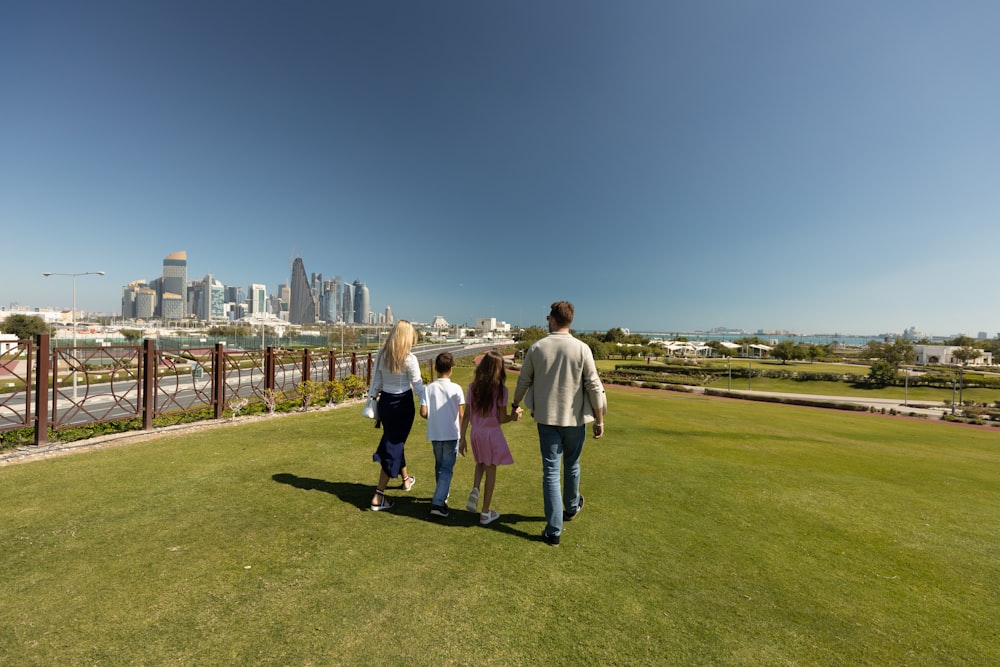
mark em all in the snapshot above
pixel 302 306
pixel 258 300
pixel 138 300
pixel 145 303
pixel 213 299
pixel 360 302
pixel 347 304
pixel 174 283
pixel 328 302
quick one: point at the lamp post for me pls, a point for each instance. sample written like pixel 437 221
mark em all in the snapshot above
pixel 906 387
pixel 961 378
pixel 73 314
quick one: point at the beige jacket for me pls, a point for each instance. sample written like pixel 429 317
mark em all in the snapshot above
pixel 559 382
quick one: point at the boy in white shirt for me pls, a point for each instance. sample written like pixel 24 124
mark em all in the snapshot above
pixel 443 409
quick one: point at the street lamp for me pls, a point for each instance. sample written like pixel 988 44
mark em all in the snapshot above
pixel 961 383
pixel 73 315
pixel 906 387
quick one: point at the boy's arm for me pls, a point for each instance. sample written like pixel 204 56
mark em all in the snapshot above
pixel 464 417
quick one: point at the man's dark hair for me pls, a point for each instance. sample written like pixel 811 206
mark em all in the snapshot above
pixel 443 362
pixel 562 313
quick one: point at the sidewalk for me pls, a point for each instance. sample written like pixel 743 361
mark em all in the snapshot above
pixel 877 403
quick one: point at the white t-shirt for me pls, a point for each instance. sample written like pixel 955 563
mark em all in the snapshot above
pixel 443 399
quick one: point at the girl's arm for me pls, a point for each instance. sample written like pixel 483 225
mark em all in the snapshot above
pixel 503 415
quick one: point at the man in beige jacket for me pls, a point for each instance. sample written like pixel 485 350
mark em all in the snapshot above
pixel 560 385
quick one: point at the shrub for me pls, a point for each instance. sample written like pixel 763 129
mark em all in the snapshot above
pixel 354 386
pixel 334 391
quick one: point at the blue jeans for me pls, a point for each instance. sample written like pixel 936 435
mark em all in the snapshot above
pixel 560 444
pixel 445 452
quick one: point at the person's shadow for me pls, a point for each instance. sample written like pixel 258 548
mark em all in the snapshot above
pixel 360 496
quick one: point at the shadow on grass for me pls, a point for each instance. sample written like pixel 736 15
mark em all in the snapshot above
pixel 360 496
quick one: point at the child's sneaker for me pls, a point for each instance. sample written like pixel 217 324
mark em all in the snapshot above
pixel 439 510
pixel 473 503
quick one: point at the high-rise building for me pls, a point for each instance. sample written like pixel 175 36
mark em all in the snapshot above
pixel 328 302
pixel 257 300
pixel 138 300
pixel 347 304
pixel 360 302
pixel 172 306
pixel 212 302
pixel 145 303
pixel 174 282
pixel 338 299
pixel 302 305
pixel 388 315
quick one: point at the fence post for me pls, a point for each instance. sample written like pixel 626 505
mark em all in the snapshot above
pixel 41 390
pixel 269 370
pixel 354 363
pixel 29 379
pixel 331 362
pixel 219 379
pixel 148 375
pixel 306 365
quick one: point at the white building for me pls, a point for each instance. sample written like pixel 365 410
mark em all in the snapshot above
pixel 944 354
pixel 8 342
pixel 488 325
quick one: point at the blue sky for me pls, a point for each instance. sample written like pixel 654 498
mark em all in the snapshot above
pixel 811 166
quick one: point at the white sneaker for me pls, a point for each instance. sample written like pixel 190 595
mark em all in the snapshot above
pixel 473 503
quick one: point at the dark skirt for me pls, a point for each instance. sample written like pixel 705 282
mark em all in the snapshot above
pixel 397 413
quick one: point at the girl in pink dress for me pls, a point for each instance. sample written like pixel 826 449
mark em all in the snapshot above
pixel 487 409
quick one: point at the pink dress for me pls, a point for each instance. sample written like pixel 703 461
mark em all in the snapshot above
pixel 489 446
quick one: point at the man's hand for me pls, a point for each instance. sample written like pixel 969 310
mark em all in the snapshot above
pixel 598 430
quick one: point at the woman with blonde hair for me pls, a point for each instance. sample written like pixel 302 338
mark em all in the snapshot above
pixel 395 379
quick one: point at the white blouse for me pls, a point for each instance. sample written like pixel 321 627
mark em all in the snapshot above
pixel 397 383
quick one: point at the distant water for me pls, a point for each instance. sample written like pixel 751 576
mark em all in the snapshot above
pixel 822 339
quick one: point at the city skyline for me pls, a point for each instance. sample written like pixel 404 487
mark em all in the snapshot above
pixel 304 299
pixel 665 166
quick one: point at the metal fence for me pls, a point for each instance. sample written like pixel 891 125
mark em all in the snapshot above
pixel 55 388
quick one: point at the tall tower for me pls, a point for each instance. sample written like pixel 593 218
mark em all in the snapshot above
pixel 302 305
pixel 361 305
pixel 347 304
pixel 175 284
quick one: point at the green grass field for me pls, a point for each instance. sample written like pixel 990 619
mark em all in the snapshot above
pixel 716 532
